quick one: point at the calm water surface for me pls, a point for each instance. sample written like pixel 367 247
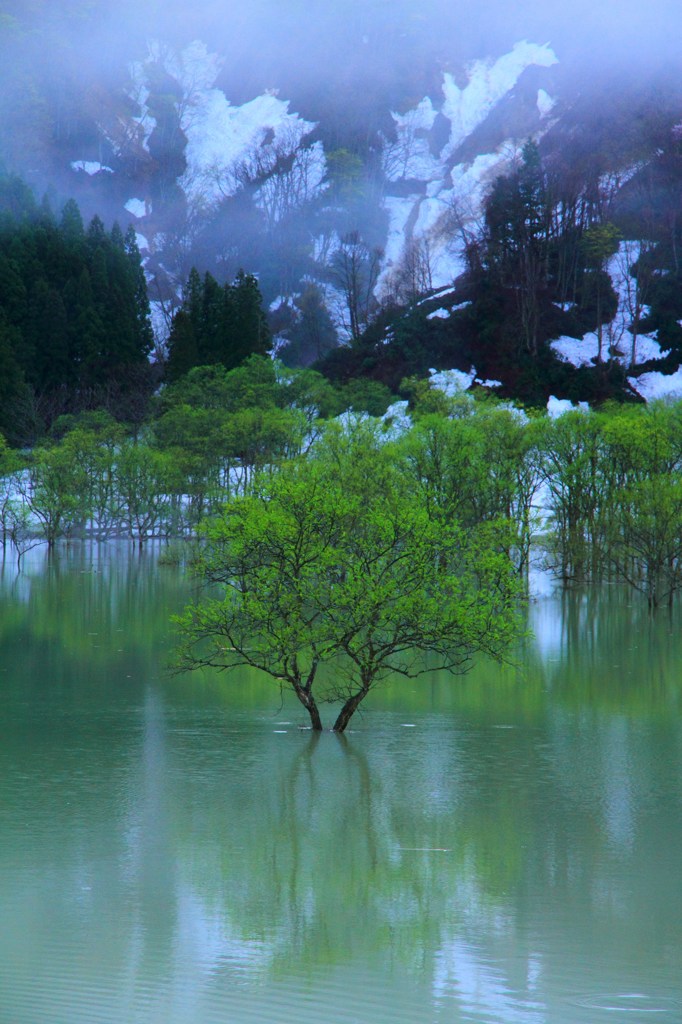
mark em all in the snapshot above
pixel 505 848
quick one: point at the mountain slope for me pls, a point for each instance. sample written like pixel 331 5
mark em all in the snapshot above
pixel 361 177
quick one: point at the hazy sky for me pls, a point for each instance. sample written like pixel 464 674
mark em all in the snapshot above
pixel 271 36
pixel 366 55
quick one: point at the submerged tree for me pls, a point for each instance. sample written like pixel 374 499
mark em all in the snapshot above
pixel 327 566
pixel 645 548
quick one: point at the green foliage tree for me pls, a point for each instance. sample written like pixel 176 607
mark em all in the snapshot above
pixel 479 466
pixel 573 460
pixel 56 490
pixel 643 532
pixel 222 427
pixel 645 538
pixel 193 438
pixel 259 440
pixel 361 394
pixel 325 566
pixel 442 458
pixel 11 465
pixel 144 483
pixel 94 440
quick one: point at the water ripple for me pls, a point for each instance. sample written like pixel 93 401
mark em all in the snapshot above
pixel 630 1002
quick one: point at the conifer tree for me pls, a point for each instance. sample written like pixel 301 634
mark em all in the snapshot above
pixel 71 226
pixel 75 300
pixel 251 334
pixel 138 286
pixel 182 346
pixel 217 324
pixel 12 384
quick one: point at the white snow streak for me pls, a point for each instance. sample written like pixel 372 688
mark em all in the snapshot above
pixel 410 155
pixel 451 382
pixel 228 145
pixel 90 167
pixel 489 82
pixel 657 385
pixel 545 103
pixel 558 406
pixel 453 193
pixel 399 210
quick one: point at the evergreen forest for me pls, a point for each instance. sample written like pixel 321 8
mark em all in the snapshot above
pixel 74 315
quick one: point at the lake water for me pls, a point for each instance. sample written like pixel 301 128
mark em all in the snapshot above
pixel 504 848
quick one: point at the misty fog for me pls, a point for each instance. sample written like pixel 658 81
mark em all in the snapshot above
pixel 262 135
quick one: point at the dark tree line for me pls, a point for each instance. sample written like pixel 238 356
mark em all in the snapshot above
pixel 74 315
pixel 217 324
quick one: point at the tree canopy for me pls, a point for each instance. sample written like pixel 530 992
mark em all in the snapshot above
pixel 332 576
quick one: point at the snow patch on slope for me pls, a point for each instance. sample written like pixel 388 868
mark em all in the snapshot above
pixel 397 421
pixel 160 319
pixel 445 313
pixel 410 155
pixel 545 103
pixel 489 82
pixel 90 167
pixel 620 338
pixel 558 406
pixel 399 210
pixel 228 145
pixel 451 382
pixel 657 385
pixel 137 207
pixel 454 193
pixel 585 351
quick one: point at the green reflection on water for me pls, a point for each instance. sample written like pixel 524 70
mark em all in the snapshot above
pixel 503 847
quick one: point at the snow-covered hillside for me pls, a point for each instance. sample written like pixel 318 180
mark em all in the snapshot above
pixel 226 145
pixel 180 151
pixel 447 186
pixel 430 183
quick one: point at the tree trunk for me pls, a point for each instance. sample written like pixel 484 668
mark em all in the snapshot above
pixel 600 332
pixel 308 701
pixel 349 709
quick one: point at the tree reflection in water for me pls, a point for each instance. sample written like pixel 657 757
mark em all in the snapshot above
pixel 181 846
